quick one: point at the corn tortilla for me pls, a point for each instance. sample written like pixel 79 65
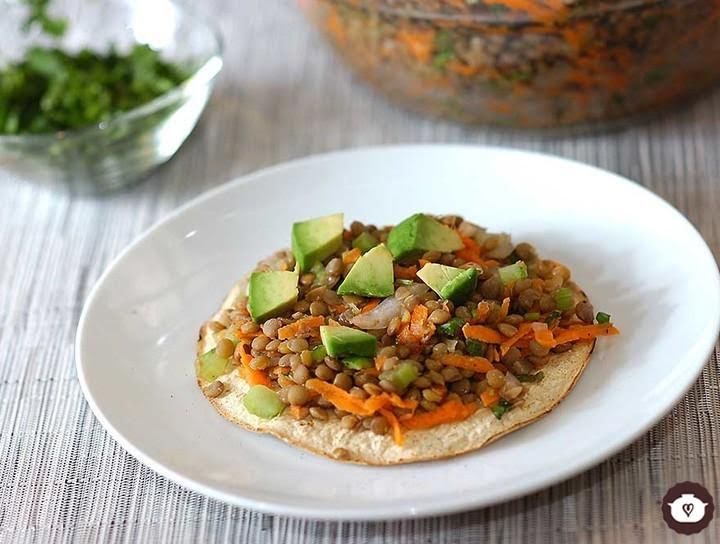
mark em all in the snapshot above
pixel 362 446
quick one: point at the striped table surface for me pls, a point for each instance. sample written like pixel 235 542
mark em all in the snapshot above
pixel 282 95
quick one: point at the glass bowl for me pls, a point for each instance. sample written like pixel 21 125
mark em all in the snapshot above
pixel 112 154
pixel 528 63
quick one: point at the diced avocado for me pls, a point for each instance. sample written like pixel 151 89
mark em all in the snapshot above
pixel 365 242
pixel 403 375
pixel 346 342
pixel 263 402
pixel 357 363
pixel 371 275
pixel 456 284
pixel 211 366
pixel 420 233
pixel 316 239
pixel 271 293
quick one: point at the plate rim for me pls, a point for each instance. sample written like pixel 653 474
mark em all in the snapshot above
pixel 429 509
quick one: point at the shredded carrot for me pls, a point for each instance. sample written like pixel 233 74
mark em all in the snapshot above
pixel 423 262
pixel 405 272
pixel 253 376
pixel 296 412
pixel 301 326
pixel 335 27
pixel 471 252
pixel 490 397
pixel 395 425
pixel 246 335
pixel 523 329
pixel 584 332
pixel 504 309
pixel 419 330
pixel 543 335
pixel 483 333
pixel 483 311
pixel 448 412
pixel 370 305
pixel 351 255
pixel 343 400
pixel 418 42
pixel 477 364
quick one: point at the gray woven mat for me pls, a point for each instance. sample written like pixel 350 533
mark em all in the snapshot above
pixel 283 96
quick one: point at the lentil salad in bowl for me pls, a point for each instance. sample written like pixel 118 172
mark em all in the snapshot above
pixel 397 344
pixel 527 63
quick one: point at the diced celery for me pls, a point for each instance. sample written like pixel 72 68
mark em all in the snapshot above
pixel 357 363
pixel 513 272
pixel 403 375
pixel 211 366
pixel 563 299
pixel 263 402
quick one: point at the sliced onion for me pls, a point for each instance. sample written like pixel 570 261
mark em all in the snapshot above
pixel 451 345
pixel 380 316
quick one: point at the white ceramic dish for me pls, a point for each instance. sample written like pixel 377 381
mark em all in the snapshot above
pixel 635 255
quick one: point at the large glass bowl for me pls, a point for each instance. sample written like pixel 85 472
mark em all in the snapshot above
pixel 116 153
pixel 528 63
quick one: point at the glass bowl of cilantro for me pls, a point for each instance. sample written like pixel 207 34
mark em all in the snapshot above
pixel 95 94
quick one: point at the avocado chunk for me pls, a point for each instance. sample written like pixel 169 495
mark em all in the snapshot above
pixel 365 242
pixel 211 366
pixel 316 239
pixel 456 284
pixel 371 275
pixel 420 233
pixel 346 342
pixel 271 293
pixel 263 402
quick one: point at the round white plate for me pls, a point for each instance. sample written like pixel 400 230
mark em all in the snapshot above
pixel 636 256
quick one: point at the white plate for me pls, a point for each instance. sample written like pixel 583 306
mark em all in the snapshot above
pixel 636 256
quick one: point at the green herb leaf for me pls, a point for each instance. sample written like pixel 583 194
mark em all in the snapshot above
pixel 452 327
pixel 501 408
pixel 602 317
pixel 475 348
pixel 530 378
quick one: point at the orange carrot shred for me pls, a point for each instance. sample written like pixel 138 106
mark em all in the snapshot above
pixel 343 400
pixel 471 252
pixel 301 326
pixel 584 332
pixel 543 335
pixel 483 311
pixel 419 330
pixel 423 262
pixel 395 425
pixel 253 376
pixel 468 362
pixel 370 305
pixel 490 397
pixel 351 255
pixel 504 309
pixel 296 412
pixel 483 334
pixel 419 43
pixel 523 329
pixel 448 412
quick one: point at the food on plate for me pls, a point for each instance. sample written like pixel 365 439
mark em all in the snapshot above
pixel 397 344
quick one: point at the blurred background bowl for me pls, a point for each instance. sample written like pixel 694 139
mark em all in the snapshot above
pixel 113 154
pixel 529 63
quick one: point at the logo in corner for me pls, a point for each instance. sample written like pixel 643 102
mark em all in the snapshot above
pixel 687 508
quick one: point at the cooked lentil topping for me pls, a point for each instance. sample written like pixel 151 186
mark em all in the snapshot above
pixel 462 329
